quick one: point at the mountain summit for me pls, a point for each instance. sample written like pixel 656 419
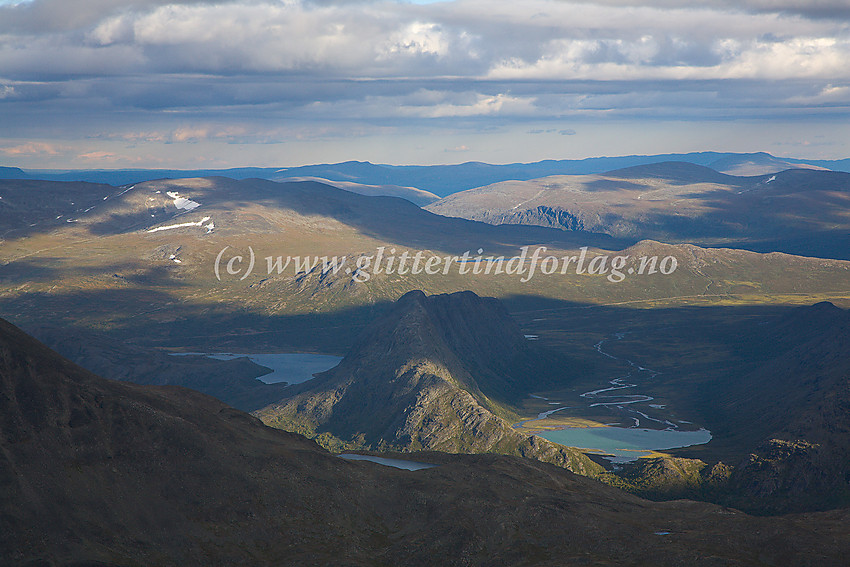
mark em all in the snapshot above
pixel 435 372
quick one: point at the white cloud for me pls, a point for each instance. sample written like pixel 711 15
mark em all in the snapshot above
pixel 826 95
pixel 240 71
pixel 417 38
pixel 469 38
pixel 31 149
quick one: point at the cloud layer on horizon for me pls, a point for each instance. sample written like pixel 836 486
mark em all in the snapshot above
pixel 244 71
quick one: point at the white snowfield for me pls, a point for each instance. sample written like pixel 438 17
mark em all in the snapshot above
pixel 182 202
pixel 183 225
pixel 125 190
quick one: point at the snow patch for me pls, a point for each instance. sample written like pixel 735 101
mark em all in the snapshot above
pixel 182 202
pixel 181 225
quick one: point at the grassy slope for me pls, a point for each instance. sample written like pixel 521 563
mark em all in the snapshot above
pixel 105 272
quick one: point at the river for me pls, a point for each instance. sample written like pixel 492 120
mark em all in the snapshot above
pixel 623 444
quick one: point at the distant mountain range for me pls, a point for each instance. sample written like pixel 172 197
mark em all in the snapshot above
pixel 799 211
pixel 441 180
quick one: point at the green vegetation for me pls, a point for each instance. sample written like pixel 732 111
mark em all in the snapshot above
pixel 105 272
pixel 703 326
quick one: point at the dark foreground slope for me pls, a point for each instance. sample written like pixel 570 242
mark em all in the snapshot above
pixel 794 401
pixel 434 373
pixel 95 470
pixel 232 381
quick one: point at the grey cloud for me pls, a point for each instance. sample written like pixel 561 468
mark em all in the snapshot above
pixel 469 63
pixel 807 8
pixel 61 15
pixel 376 40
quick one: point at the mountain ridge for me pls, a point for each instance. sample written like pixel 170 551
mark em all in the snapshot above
pixel 434 373
pixel 797 211
pixel 433 178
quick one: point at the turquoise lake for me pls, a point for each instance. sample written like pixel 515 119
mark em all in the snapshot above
pixel 625 444
pixel 293 368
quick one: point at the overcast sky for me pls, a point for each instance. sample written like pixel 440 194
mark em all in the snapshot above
pixel 164 83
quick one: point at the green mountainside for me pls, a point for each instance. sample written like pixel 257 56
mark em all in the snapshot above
pixel 118 263
pixel 433 373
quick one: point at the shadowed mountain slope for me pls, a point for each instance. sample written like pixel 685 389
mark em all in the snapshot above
pixel 772 386
pixel 795 400
pixel 434 373
pixel 232 381
pixel 97 472
pixel 412 194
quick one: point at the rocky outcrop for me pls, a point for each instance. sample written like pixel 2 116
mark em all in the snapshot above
pixel 542 215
